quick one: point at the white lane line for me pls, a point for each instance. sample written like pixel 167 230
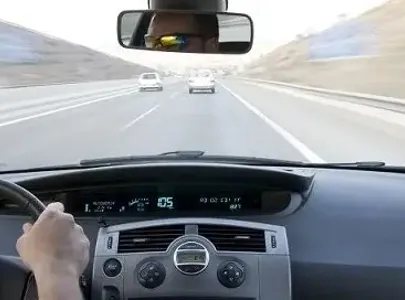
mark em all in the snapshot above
pixel 139 118
pixel 386 116
pixel 297 144
pixel 174 95
pixel 54 111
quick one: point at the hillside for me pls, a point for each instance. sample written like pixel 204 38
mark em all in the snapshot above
pixel 27 57
pixel 376 68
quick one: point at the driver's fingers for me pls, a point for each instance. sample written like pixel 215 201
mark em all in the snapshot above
pixel 51 210
pixel 27 227
pixel 55 206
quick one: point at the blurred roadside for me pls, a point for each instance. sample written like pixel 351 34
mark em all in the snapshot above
pixel 364 55
pixel 30 58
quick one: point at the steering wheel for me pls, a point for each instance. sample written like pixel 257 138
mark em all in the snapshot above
pixel 16 280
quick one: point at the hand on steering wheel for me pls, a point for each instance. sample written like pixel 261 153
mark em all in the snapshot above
pixel 54 244
pixel 55 248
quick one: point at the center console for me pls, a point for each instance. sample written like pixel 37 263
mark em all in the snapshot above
pixel 192 258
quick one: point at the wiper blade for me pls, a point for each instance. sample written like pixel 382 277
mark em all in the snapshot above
pixel 357 164
pixel 190 156
pixel 183 154
pixel 173 155
pixel 199 156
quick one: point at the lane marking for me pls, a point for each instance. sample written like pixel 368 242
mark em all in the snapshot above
pixel 387 116
pixel 54 111
pixel 297 144
pixel 174 95
pixel 139 118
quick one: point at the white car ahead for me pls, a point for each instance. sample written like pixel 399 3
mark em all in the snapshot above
pixel 202 80
pixel 150 81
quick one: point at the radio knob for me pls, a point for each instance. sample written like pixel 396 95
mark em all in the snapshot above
pixel 151 274
pixel 112 267
pixel 231 274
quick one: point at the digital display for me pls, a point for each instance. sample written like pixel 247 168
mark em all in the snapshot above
pixel 152 199
pixel 187 257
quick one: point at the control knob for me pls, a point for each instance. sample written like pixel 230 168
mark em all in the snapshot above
pixel 112 267
pixel 231 274
pixel 151 274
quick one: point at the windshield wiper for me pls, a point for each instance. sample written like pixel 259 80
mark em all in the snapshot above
pixel 173 155
pixel 183 154
pixel 241 160
pixel 357 164
pixel 192 156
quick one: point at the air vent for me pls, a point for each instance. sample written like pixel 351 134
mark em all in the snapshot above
pixel 149 239
pixel 9 208
pixel 231 238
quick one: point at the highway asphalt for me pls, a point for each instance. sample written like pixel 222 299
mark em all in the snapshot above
pixel 242 118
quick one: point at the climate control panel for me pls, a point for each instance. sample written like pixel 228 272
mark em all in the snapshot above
pixel 151 274
pixel 231 274
pixel 191 258
pixel 236 260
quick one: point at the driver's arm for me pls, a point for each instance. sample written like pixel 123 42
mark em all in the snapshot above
pixel 59 287
pixel 57 251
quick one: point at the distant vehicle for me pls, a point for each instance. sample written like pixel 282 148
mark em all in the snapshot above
pixel 201 80
pixel 150 81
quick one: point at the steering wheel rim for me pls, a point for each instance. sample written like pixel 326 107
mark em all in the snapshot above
pixel 23 285
pixel 21 197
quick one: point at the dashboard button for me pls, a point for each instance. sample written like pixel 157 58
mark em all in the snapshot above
pixel 110 293
pixel 109 242
pixel 231 274
pixel 192 245
pixel 198 268
pixel 191 269
pixel 151 274
pixel 144 274
pixel 273 242
pixel 112 267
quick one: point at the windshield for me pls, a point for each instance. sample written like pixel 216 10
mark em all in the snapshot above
pixel 149 76
pixel 323 83
pixel 204 73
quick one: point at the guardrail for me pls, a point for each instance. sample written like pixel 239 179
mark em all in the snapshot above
pixel 235 22
pixel 64 83
pixel 384 102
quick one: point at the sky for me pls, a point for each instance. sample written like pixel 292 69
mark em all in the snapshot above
pixel 92 23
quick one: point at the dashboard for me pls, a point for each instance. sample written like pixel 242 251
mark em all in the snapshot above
pixel 182 257
pixel 211 231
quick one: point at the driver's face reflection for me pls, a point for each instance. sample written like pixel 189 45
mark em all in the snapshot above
pixel 191 34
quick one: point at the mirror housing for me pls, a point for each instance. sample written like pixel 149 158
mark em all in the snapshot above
pixel 185 31
pixel 202 5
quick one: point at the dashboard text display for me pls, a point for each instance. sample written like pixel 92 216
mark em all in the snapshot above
pixel 174 200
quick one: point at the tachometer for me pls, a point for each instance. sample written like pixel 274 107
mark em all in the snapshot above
pixel 138 204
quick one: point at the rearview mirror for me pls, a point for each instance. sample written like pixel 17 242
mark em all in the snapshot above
pixel 185 31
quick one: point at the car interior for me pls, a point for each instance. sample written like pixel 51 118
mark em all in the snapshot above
pixel 137 39
pixel 187 226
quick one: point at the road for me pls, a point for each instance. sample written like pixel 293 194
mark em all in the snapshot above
pixel 242 118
